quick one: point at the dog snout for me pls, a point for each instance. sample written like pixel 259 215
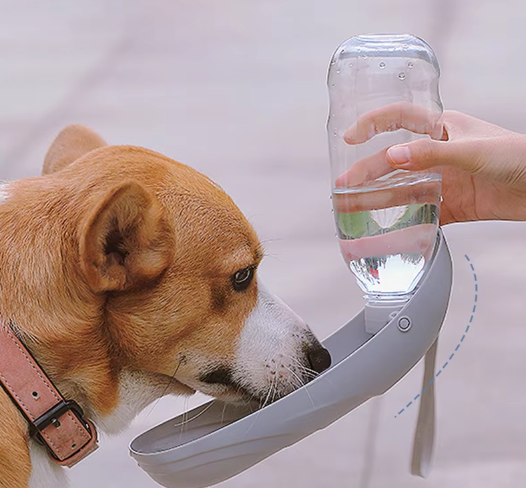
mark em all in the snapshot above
pixel 319 359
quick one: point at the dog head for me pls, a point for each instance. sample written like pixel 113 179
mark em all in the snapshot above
pixel 170 265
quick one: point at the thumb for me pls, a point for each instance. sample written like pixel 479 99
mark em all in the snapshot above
pixel 427 153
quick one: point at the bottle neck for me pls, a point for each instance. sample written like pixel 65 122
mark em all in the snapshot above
pixel 379 311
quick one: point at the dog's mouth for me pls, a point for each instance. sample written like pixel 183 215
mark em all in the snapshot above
pixel 279 380
pixel 226 388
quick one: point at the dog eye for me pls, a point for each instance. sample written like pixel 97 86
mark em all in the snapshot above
pixel 242 279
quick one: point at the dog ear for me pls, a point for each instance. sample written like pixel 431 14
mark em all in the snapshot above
pixel 72 142
pixel 125 242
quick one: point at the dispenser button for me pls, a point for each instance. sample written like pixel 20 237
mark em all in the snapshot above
pixel 404 324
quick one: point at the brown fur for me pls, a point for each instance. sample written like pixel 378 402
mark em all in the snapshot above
pixel 112 263
pixel 73 142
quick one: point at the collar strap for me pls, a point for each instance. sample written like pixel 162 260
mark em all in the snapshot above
pixel 56 423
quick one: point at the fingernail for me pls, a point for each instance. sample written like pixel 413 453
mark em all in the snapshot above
pixel 347 137
pixel 399 155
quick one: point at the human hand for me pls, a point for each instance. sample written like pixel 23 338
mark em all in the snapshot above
pixel 484 165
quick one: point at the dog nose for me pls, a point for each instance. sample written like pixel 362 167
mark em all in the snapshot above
pixel 319 359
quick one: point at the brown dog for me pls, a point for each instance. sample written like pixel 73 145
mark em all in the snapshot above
pixel 129 276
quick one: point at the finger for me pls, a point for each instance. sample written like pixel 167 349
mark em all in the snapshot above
pixel 403 115
pixel 365 170
pixel 468 155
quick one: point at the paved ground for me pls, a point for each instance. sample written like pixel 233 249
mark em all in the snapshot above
pixel 237 89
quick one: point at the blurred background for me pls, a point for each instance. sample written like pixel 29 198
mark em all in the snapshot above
pixel 236 89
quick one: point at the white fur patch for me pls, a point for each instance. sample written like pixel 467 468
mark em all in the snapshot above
pixel 4 191
pixel 136 391
pixel 270 355
pixel 44 472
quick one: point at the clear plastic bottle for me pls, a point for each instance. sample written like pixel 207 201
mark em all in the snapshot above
pixel 386 219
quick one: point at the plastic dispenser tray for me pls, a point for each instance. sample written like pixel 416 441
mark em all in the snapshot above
pixel 216 441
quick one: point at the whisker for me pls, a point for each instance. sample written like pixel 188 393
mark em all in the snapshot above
pixel 185 415
pixel 303 384
pixel 298 379
pixel 196 416
pixel 303 367
pixel 314 374
pixel 152 407
pixel 247 401
pixel 271 240
pixel 274 395
pixel 223 413
pixel 271 387
pixel 262 404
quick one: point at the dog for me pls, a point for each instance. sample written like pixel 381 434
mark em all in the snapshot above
pixel 128 276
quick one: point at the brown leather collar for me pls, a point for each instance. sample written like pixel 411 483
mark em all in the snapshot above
pixel 55 422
